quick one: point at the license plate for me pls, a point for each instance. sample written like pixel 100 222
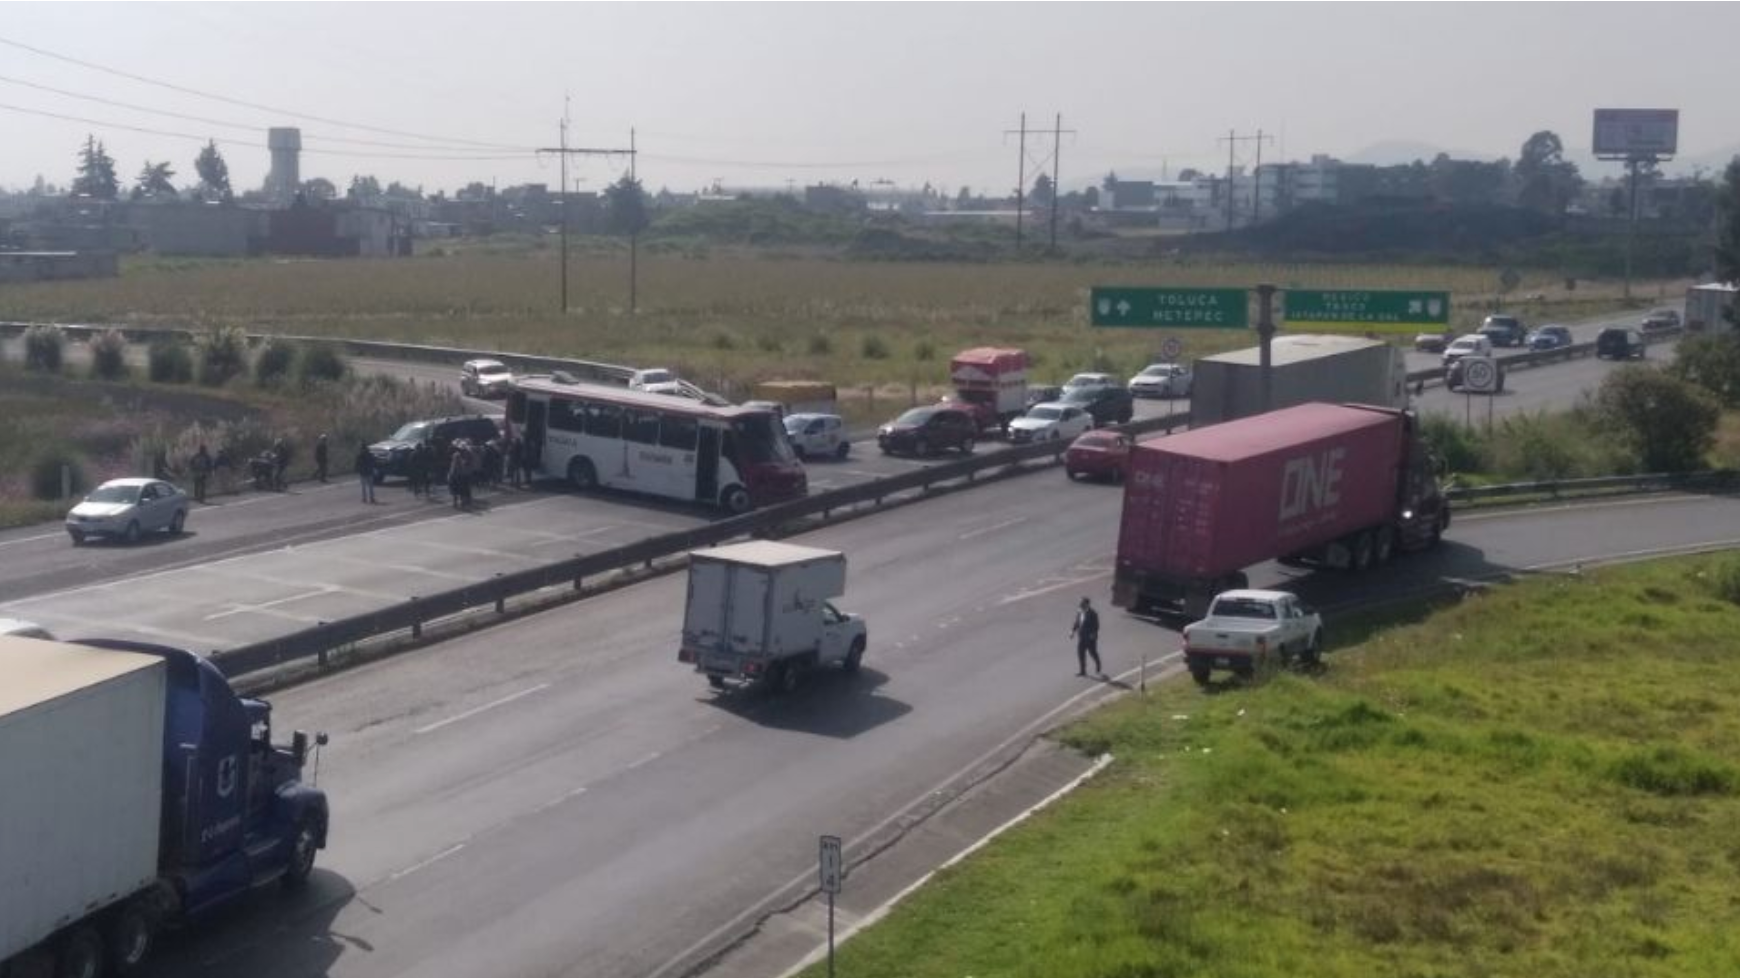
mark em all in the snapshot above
pixel 1223 660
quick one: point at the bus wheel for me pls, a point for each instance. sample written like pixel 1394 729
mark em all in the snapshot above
pixel 735 500
pixel 583 476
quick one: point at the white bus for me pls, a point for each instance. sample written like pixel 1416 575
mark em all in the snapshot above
pixel 592 435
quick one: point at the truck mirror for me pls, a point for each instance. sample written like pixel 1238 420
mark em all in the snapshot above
pixel 299 747
pixel 321 739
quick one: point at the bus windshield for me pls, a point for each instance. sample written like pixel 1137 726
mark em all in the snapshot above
pixel 761 440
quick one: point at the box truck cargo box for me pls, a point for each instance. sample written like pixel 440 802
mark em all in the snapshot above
pixel 1334 369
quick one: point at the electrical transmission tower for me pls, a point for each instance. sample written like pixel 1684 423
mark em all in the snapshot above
pixel 1056 132
pixel 1232 139
pixel 564 151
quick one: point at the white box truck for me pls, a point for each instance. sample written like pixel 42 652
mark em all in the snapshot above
pixel 759 612
pixel 1709 306
pixel 1306 368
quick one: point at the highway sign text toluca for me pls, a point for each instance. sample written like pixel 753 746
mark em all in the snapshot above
pixel 1366 311
pixel 1169 308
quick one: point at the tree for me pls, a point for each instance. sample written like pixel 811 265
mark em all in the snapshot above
pixel 397 189
pixel 964 197
pixel 625 206
pixel 1042 190
pixel 1712 362
pixel 1668 424
pixel 363 187
pixel 1109 181
pixel 1090 197
pixel 214 173
pixel 154 180
pixel 319 188
pixel 96 172
pixel 1727 256
pixel 1549 182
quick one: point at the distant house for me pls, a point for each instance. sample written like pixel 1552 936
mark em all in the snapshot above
pixel 211 230
pixel 44 266
pixel 323 232
pixel 1128 195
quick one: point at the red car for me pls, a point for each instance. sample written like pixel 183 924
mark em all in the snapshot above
pixel 1099 454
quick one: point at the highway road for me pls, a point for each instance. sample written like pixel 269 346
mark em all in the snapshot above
pixel 1553 387
pixel 558 796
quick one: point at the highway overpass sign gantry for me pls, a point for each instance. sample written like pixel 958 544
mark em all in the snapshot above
pixel 1366 310
pixel 1170 308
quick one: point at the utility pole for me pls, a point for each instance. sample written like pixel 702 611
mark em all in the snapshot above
pixel 1257 180
pixel 1057 134
pixel 633 235
pixel 1630 221
pixel 564 151
pixel 1232 139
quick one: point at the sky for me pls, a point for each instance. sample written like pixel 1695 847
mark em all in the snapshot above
pixel 438 95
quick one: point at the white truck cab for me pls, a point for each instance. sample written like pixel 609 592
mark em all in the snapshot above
pixel 1248 631
pixel 759 612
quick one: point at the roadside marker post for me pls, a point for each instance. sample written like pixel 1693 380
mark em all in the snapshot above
pixel 831 869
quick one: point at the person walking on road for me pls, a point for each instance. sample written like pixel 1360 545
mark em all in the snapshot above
pixel 280 464
pixel 320 457
pixel 365 472
pixel 1086 632
pixel 200 466
pixel 419 470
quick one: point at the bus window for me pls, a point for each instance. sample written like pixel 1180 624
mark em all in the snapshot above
pixel 760 439
pixel 641 426
pixel 566 415
pixel 678 433
pixel 604 420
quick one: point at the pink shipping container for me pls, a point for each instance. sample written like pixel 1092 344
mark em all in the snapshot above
pixel 1201 507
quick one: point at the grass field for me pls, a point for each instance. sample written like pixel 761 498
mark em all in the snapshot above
pixel 1540 782
pixel 729 320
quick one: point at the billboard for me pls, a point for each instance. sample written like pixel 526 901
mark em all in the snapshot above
pixel 1637 132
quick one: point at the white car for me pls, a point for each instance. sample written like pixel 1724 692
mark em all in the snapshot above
pixel 1161 380
pixel 656 380
pixel 19 628
pixel 127 509
pixel 1089 380
pixel 485 378
pixel 1248 632
pixel 1472 345
pixel 818 435
pixel 1050 422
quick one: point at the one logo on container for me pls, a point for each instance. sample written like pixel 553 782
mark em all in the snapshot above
pixel 1311 483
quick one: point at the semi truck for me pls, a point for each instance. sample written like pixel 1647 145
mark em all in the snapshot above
pixel 139 791
pixel 991 383
pixel 758 612
pixel 1305 368
pixel 1711 307
pixel 1340 486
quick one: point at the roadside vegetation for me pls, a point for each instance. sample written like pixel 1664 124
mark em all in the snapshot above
pixel 1542 781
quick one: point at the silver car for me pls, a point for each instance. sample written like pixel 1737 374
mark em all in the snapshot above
pixel 1161 380
pixel 818 435
pixel 127 509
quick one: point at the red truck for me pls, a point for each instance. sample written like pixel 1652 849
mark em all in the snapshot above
pixel 1342 486
pixel 991 383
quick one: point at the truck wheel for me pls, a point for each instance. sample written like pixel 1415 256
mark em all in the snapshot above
pixel 1438 526
pixel 1314 652
pixel 1386 545
pixel 582 475
pixel 1201 674
pixel 1362 550
pixel 735 500
pixel 130 932
pixel 844 450
pixel 854 658
pixel 967 445
pixel 717 682
pixel 303 846
pixel 785 678
pixel 177 523
pixel 80 954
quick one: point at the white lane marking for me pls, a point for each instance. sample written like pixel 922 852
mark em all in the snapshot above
pixel 559 799
pixel 39 536
pixel 474 711
pixel 1048 588
pixel 432 860
pixel 994 527
pixel 405 568
pixel 1631 554
pixel 243 609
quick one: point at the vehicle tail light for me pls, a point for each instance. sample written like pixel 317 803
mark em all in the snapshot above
pixel 752 668
pixel 685 655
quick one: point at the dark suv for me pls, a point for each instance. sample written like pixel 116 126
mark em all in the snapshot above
pixel 926 430
pixel 392 453
pixel 1108 405
pixel 1619 343
pixel 1504 330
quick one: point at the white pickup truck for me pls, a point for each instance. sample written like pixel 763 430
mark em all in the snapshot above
pixel 1248 632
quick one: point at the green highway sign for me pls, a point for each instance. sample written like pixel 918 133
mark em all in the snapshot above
pixel 1170 308
pixel 1365 310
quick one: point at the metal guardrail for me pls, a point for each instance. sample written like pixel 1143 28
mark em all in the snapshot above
pixel 412 615
pixel 1713 480
pixel 1535 358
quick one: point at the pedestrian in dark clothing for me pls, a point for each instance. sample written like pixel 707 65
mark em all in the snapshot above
pixel 417 469
pixel 1086 632
pixel 224 466
pixel 365 472
pixel 489 468
pixel 160 464
pixel 320 457
pixel 457 478
pixel 527 462
pixel 200 466
pixel 516 460
pixel 280 464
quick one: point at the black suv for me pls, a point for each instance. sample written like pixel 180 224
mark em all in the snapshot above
pixel 1108 405
pixel 925 430
pixel 392 453
pixel 1619 343
pixel 1504 331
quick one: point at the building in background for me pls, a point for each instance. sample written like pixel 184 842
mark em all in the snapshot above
pixel 284 180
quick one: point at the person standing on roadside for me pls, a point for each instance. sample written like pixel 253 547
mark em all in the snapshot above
pixel 1086 632
pixel 417 470
pixel 200 465
pixel 516 460
pixel 320 457
pixel 281 464
pixel 365 472
pixel 456 476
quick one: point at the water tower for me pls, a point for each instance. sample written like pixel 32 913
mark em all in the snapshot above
pixel 286 175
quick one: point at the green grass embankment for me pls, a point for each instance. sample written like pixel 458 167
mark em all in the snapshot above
pixel 1538 782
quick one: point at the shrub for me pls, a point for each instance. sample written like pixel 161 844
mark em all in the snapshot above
pixel 1668 424
pixel 1459 448
pixel 109 355
pixel 769 343
pixel 1711 361
pixel 723 340
pixel 223 355
pixel 1674 772
pixel 168 361
pixel 320 363
pixel 821 345
pixel 924 351
pixel 45 473
pixel 44 348
pixel 273 364
pixel 1725 580
pixel 873 348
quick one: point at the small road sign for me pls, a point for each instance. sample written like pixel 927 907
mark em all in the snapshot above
pixel 1171 348
pixel 831 866
pixel 1479 375
pixel 1365 310
pixel 1170 308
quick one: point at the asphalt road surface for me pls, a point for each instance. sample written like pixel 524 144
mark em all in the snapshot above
pixel 559 796
pixel 1553 387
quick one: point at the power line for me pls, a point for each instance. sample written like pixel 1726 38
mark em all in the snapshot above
pixel 321 137
pixel 237 142
pixel 171 86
